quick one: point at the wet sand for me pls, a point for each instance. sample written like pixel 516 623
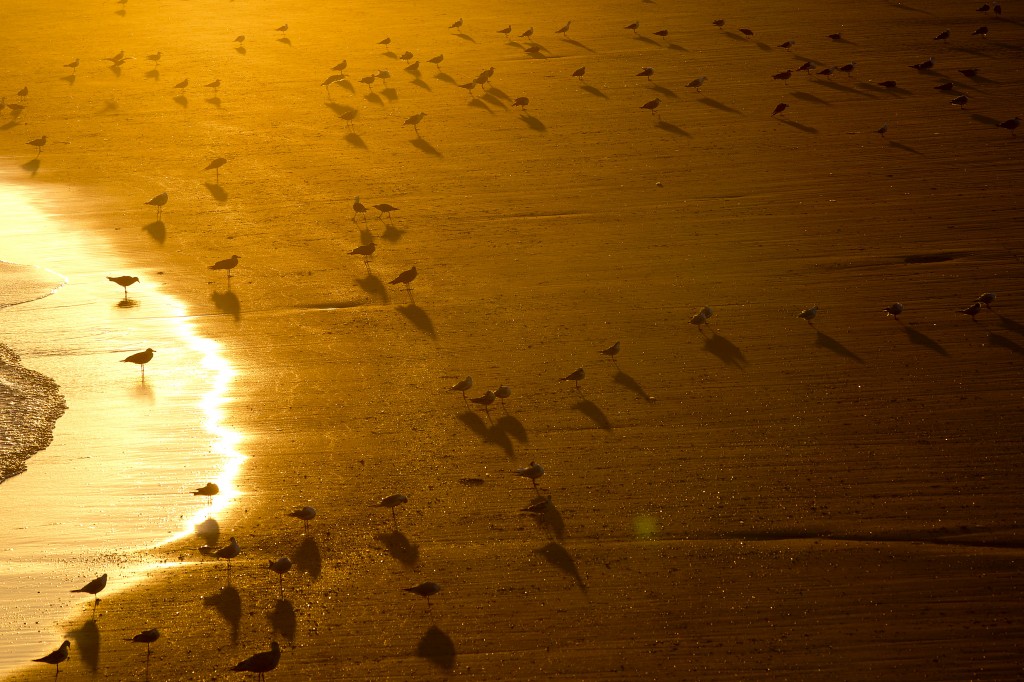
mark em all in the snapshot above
pixel 762 499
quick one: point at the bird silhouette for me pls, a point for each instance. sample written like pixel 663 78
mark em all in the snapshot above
pixel 228 551
pixel 392 502
pixel 502 393
pixel 305 514
pixel 56 657
pixel 960 101
pixel 576 376
pixel 457 24
pixel 987 299
pixel 146 637
pixel 124 281
pixel 207 491
pixel 436 61
pixel 261 663
pixel 215 165
pixel 633 27
pixel 808 314
pixel 972 310
pixel 463 386
pixel 487 399
pixel 385 209
pixel 565 29
pixel 647 72
pixel 94 586
pixel 521 102
pixel 747 32
pixel 697 83
pixel 894 310
pixel 578 73
pixel 228 264
pixel 141 359
pixel 652 105
pixel 414 121
pixel 612 350
pixel 507 31
pixel 74 65
pixel 783 75
pixel 358 208
pixel 425 590
pixel 38 144
pixel 528 33
pixel 160 200
pixel 406 277
pixel 532 472
pixel 779 108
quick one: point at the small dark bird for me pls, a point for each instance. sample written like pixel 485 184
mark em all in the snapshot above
pixel 652 105
pixel 228 264
pixel 633 27
pixel 779 108
pixel 146 637
pixel 925 65
pixel 578 73
pixel 783 75
pixel 365 250
pixel 426 590
pixel 612 350
pixel 747 32
pixel 1011 125
pixel 806 66
pixel 228 551
pixel 280 566
pixel 888 84
pixel 239 40
pixel 565 29
pixel 304 514
pixel 699 319
pixel 848 68
pixel 507 31
pixel 969 73
pixel 981 31
pixel 457 25
pixel 960 101
pixel 528 33
pixel 119 57
pixel 521 102
pixel 697 83
pixel 74 65
pixel 215 166
pixel 182 85
pixel 207 491
pixel 463 386
pixel 155 58
pixel 406 277
pixel 895 309
pixel 385 209
pixel 827 73
pixel 38 144
pixel 405 56
pixel 997 8
pixel 487 399
pixel 788 44
pixel 414 121
pixel 340 66
pixel 718 22
pixel 663 33
pixel 96 585
pixel 436 61
pixel 385 42
pixel 413 68
pixel 391 502
pixel 261 663
pixel 358 208
pixel 141 359
pixel 282 29
pixel 532 472
pixel 983 8
pixel 576 376
pixel 646 71
pixel 124 281
pixel 333 78
pixel 808 314
pixel 972 310
pixel 215 85
pixel 942 36
pixel 502 393
pixel 883 130
pixel 56 657
pixel 835 36
pixel 987 299
pixel 945 87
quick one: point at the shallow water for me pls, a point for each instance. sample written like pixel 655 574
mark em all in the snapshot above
pixel 126 453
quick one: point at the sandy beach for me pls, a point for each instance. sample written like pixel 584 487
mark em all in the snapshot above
pixel 762 497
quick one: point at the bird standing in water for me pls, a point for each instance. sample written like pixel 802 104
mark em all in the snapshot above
pixel 141 359
pixel 124 281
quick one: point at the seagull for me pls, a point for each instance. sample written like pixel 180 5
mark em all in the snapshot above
pixel 652 105
pixel 119 57
pixel 227 264
pixel 507 31
pixel 718 22
pixel 633 27
pixel 215 166
pixel 565 29
pixel 160 200
pixel 646 71
pixel 385 208
pixel 981 31
pixel 463 386
pixel 38 144
pixel 385 42
pixel 406 277
pixel 528 33
pixel 261 663
pixel 215 85
pixel 538 507
pixel 207 491
pixel 56 657
pixel 663 33
pixel 502 393
pixel 182 85
pixel 306 514
pixel 942 36
pixel 436 61
pixel 697 83
pixel 469 86
pixel 94 586
pixel 141 359
pixel 788 44
pixel 808 314
pixel 972 310
pixel 155 58
pixel 521 102
pixel 783 75
pixel 699 319
pixel 983 8
pixel 228 551
pixel 532 472
pixel 413 68
pixel 960 101
pixel 707 312
pixel 74 65
pixel 948 85
pixel 487 399
pixel 392 501
pixel 1011 124
pixel 576 376
pixel 884 129
pixel 365 250
pixel 987 299
pixel 124 281
pixel 340 66
pixel 281 566
pixel 426 590
pixel 835 36
pixel 747 32
pixel 848 68
pixel 779 108
pixel 612 350
pixel 456 25
pixel 239 40
pixel 578 73
pixel 414 121
pixel 806 66
pixel 146 637
pixel 282 29
pixel 888 84
pixel 969 73
pixel 358 208
pixel 406 56
pixel 925 65
pixel 825 72
pixel 895 309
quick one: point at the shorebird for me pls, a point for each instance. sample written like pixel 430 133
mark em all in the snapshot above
pixel 463 386
pixel 502 393
pixel 38 143
pixel 969 73
pixel 884 129
pixel 663 33
pixel 538 507
pixel 358 208
pixel 228 551
pixel 413 68
pixel 565 29
pixel 521 102
pixel 779 108
pixel 414 121
pixel 983 8
pixel 578 73
pixel 1011 124
pixel 718 22
pixel 94 586
pixel 888 84
pixel 365 250
pixel 261 663
pixel 981 31
pixel 835 36
pixel 788 44
pixel 74 65
pixel 283 29
pixel 697 83
pixel 124 281
pixel 895 309
pixel 406 56
pixel 425 590
pixel 207 491
pixel 997 8
pixel 783 75
pixel 652 105
pixel 987 299
pixel 973 310
pixel 533 49
pixel 699 319
pixel 119 57
pixel 305 514
pixel 155 58
pixel 436 61
pixel 330 80
pixel 239 40
pixel 945 87
pixel 228 264
pixel 215 85
pixel 576 376
pixel 925 65
pixel 469 87
pixel 848 68
pixel 827 73
pixel 747 32
pixel 406 277
pixel 528 33
pixel 507 31
pixel 633 27
pixel 281 566
pixel 487 399
pixel 215 166
pixel 340 66
pixel 960 101
pixel 385 209
pixel 532 472
pixel 385 42
pixel 182 86
pixel 391 502
pixel 56 657
pixel 806 66
pixel 646 71
pixel 456 25
pixel 484 76
pixel 612 350
pixel 146 637
pixel 942 36
pixel 141 359
pixel 808 314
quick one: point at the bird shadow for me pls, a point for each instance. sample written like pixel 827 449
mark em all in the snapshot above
pixel 672 128
pixel 399 547
pixel 181 101
pixel 906 148
pixel 227 302
pixel 513 427
pixel 153 74
pixel 392 234
pixel 10 124
pixel 285 40
pixel 214 101
pixel 70 79
pixel 373 98
pixel 425 147
pixel 282 619
pixel 594 413
pixel 157 230
pixel 921 339
pixel 550 520
pixel 533 123
pixel 799 126
pixel 339 109
pixel 32 167
pixel 498 93
pixel 714 103
pixel 493 99
pixel 241 50
pixel 438 648
pixel 764 47
pixel 229 605
pixel 372 285
pixel 419 318
pixel 825 341
pixel 390 93
pixel 1010 324
pixel 984 119
pixel 307 557
pixel 725 350
pixel 443 77
pixel 557 555
pixel 576 43
pixel 645 39
pixel 676 47
pixel 127 303
pixel 420 83
pixel 494 433
pixel 216 191
pixel 479 104
pixel 354 140
pixel 87 641
pixel 623 379
pixel 1004 342
pixel 593 91
pixel 209 530
pixel 662 90
pixel 464 36
pixel 827 83
pixel 808 97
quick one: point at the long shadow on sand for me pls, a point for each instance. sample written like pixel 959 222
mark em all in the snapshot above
pixel 594 413
pixel 844 88
pixel 438 648
pixel 1004 342
pixel 209 530
pixel 31 167
pixel 217 192
pixel 556 555
pixel 715 104
pixel 723 349
pixel 825 341
pixel 1010 325
pixel 672 128
pixel 513 427
pixel 920 339
pixel 593 91
pixel 399 547
pixel 906 148
pixel 228 302
pixel 307 558
pixel 157 230
pixel 623 379
pixel 372 285
pixel 282 619
pixel 356 141
pixel 87 641
pixel 576 43
pixel 799 126
pixel 229 605
pixel 533 123
pixel 425 147
pixel 808 97
pixel 419 318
